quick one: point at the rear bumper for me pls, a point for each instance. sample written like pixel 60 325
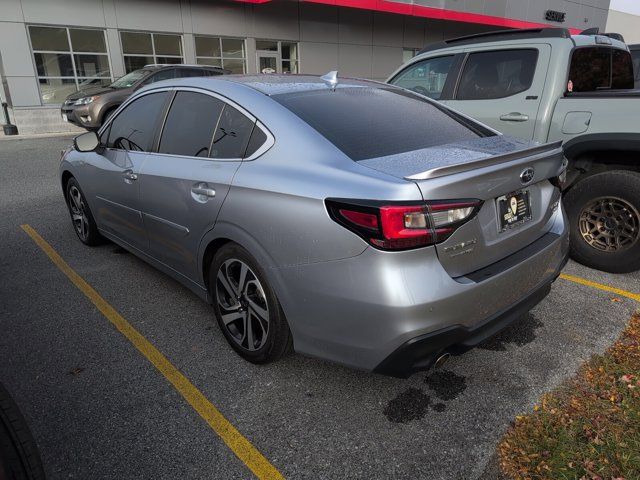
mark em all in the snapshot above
pixel 360 311
pixel 420 353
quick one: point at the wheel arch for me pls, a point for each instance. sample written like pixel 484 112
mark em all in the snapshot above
pixel 224 233
pixel 592 154
pixel 64 179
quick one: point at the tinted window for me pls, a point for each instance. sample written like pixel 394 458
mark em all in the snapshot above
pixel 190 124
pixel 134 127
pixel 167 74
pixel 192 72
pixel 258 137
pixel 621 69
pixel 373 122
pixel 636 66
pixel 497 74
pixel 232 135
pixel 591 69
pixel 426 77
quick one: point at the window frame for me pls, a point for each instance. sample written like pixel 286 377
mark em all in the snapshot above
pixel 611 48
pixel 222 58
pixel 463 65
pixel 160 128
pixel 71 52
pixel 155 137
pixel 153 48
pixel 279 60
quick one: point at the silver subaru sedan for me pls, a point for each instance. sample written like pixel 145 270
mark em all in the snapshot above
pixel 345 219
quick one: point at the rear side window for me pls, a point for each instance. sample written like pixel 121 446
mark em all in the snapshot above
pixel 167 74
pixel 600 68
pixel 232 134
pixel 190 124
pixel 497 74
pixel 635 54
pixel 427 77
pixel 134 127
pixel 257 139
pixel 192 72
pixel 374 122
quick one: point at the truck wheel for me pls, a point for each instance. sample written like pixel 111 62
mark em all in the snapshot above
pixel 604 217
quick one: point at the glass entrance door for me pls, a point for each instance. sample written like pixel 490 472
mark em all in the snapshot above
pixel 268 62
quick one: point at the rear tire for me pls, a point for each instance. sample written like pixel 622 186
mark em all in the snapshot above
pixel 246 307
pixel 81 217
pixel 19 457
pixel 604 217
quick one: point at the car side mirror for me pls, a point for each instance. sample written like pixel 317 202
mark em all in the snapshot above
pixel 87 142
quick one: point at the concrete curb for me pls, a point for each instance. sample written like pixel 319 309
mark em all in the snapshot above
pixel 38 135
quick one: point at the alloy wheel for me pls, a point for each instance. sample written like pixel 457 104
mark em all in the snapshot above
pixel 242 304
pixel 610 224
pixel 78 213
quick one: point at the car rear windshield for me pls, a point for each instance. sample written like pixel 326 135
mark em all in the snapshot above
pixel 367 122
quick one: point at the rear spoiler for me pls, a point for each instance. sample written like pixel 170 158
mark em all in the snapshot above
pixel 548 149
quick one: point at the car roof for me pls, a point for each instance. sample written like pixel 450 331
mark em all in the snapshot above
pixel 163 66
pixel 272 84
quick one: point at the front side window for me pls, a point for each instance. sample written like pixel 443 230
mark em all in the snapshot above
pixel 67 60
pixel 130 79
pixel 166 74
pixel 232 134
pixel 228 53
pixel 427 77
pixel 497 74
pixel 134 128
pixel 600 68
pixel 141 48
pixel 367 122
pixel 190 124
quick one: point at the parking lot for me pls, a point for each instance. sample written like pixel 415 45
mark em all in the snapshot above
pixel 100 407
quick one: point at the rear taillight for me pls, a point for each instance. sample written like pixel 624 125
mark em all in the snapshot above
pixel 402 226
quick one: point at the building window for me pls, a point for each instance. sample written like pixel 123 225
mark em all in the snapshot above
pixel 228 53
pixel 140 49
pixel 409 53
pixel 279 56
pixel 68 59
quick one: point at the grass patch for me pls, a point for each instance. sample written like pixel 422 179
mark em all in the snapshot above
pixel 589 427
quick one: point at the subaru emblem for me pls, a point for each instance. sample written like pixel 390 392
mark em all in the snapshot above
pixel 527 175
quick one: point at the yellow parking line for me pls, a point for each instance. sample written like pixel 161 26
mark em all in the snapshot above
pixel 240 446
pixel 599 286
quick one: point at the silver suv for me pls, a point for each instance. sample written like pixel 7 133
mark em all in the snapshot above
pixel 349 220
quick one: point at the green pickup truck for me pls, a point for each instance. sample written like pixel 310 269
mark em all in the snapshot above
pixel 548 85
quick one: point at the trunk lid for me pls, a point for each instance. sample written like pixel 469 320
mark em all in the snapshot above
pixel 485 169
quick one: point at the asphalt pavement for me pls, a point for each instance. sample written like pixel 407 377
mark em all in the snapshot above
pixel 99 409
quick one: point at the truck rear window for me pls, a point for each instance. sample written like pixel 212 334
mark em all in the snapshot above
pixel 600 68
pixel 367 122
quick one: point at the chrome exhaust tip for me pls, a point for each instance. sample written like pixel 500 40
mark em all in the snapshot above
pixel 441 360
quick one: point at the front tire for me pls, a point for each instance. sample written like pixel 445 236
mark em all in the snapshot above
pixel 246 307
pixel 81 217
pixel 604 217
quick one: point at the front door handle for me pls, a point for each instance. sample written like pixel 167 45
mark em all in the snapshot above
pixel 204 191
pixel 129 176
pixel 514 117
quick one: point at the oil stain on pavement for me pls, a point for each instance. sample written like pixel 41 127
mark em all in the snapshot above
pixel 519 333
pixel 414 403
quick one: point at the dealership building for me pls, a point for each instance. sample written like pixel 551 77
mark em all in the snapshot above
pixel 51 48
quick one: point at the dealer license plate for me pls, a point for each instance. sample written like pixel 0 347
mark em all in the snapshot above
pixel 513 209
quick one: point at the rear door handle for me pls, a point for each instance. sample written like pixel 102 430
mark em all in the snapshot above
pixel 129 175
pixel 514 117
pixel 204 191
